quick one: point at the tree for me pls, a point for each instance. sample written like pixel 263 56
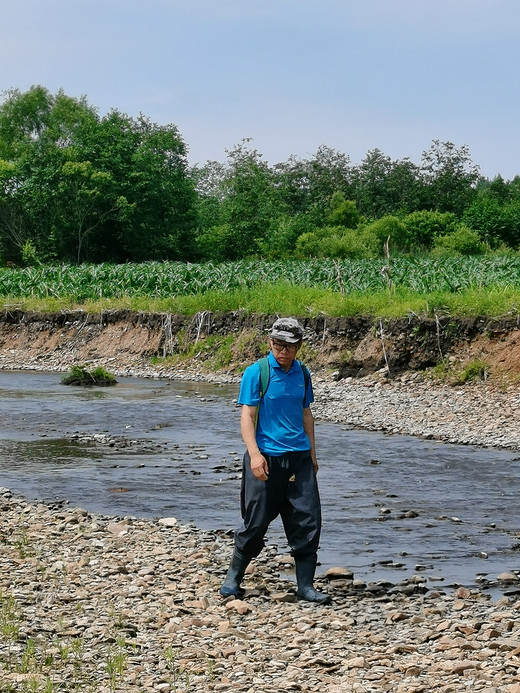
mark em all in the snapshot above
pixel 370 183
pixel 450 177
pixel 86 188
pixel 36 137
pixel 384 187
pixel 161 194
pixel 13 233
pixel 306 186
pixel 405 188
pixel 83 192
pixel 23 120
pixel 208 183
pixel 498 189
pixel 239 203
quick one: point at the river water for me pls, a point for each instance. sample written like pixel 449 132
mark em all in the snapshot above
pixel 393 506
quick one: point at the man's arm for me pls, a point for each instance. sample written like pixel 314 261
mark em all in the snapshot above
pixel 248 429
pixel 308 427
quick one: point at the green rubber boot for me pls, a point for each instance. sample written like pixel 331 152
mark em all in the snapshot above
pixel 235 573
pixel 305 569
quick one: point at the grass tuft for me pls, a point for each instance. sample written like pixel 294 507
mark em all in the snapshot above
pixel 79 375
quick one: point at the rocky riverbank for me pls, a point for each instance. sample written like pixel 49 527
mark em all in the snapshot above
pixel 100 604
pixel 476 414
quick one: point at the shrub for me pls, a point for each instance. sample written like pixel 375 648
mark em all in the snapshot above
pixel 485 215
pixel 423 227
pixel 350 245
pixel 335 242
pixel 377 232
pixel 463 241
pixel 343 212
pixel 215 243
pixel 475 370
pixel 282 241
pixel 308 245
pixel 29 255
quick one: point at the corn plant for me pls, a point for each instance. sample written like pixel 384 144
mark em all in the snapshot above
pixel 170 279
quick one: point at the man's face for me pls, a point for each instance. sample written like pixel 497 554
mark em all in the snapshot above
pixel 284 352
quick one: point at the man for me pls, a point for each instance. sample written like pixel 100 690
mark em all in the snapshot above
pixel 279 471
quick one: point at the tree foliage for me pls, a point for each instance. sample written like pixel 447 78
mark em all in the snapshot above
pixel 450 177
pixel 84 188
pixel 79 187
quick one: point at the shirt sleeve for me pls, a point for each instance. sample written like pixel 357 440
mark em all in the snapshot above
pixel 250 386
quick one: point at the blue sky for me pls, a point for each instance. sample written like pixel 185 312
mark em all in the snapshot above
pixel 293 75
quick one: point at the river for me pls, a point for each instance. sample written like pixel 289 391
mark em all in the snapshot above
pixel 393 506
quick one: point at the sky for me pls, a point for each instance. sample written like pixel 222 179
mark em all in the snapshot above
pixel 290 75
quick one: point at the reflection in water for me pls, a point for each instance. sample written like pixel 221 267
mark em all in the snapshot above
pixel 45 452
pixel 392 505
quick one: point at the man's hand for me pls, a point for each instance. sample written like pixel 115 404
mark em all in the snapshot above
pixel 315 464
pixel 259 466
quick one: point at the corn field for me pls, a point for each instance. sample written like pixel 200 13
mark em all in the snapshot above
pixel 171 279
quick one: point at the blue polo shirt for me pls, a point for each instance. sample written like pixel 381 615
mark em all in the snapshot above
pixel 280 415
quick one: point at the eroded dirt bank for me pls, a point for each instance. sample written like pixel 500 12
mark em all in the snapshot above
pixel 353 347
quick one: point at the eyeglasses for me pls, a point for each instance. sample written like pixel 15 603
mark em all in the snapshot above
pixel 283 347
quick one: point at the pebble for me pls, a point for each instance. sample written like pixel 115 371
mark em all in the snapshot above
pixel 482 414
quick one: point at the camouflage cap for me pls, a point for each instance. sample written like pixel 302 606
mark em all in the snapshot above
pixel 287 330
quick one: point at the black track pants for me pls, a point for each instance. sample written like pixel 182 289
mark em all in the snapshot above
pixel 291 491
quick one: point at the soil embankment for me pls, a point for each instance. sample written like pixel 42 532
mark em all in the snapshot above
pixel 353 347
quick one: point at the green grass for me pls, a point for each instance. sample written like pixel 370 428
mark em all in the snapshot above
pixel 475 370
pixel 424 286
pixel 284 299
pixel 79 375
